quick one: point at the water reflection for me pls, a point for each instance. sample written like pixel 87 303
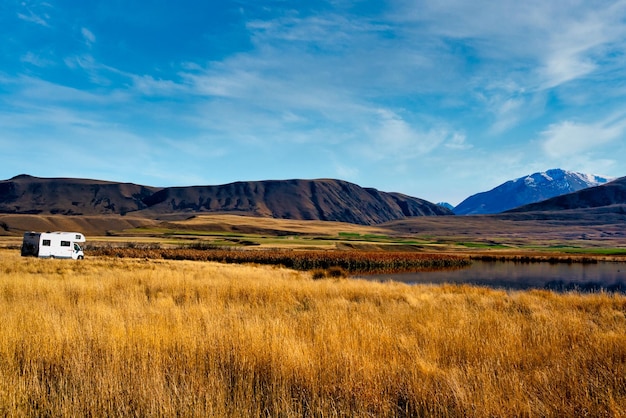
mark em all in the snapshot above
pixel 609 276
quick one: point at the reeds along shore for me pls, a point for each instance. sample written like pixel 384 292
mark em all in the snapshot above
pixel 362 262
pixel 130 337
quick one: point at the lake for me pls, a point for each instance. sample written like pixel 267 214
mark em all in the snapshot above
pixel 609 276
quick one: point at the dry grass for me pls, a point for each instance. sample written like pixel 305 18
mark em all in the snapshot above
pixel 133 337
pixel 17 224
pixel 249 224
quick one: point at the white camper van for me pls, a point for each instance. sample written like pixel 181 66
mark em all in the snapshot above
pixel 53 245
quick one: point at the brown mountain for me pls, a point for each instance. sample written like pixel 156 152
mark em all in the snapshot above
pixel 68 196
pixel 325 199
pixel 609 195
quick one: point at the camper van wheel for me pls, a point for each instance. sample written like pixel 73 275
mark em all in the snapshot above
pixel 51 256
pixel 80 257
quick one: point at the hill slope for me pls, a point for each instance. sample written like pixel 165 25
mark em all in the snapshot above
pixel 67 196
pixel 326 199
pixel 526 190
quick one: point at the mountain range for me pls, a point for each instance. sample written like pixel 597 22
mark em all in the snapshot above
pixel 527 190
pixel 322 199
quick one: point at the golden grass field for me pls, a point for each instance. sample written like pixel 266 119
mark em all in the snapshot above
pixel 140 337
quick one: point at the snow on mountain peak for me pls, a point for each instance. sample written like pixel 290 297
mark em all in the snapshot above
pixel 563 178
pixel 546 176
pixel 592 179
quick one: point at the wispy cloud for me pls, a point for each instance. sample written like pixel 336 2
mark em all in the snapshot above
pixel 39 17
pixel 520 51
pixel 547 34
pixel 31 91
pixel 88 36
pixel 458 142
pixel 578 42
pixel 390 136
pixel 36 60
pixel 147 85
pixel 569 138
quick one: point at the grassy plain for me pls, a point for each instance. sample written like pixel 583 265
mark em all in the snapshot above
pixel 506 234
pixel 142 337
pixel 576 234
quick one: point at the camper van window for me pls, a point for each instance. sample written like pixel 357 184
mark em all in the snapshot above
pixel 45 243
pixel 78 236
pixel 65 243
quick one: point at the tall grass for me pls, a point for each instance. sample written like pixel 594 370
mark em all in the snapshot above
pixel 130 337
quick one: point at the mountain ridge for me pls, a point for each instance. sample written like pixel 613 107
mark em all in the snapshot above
pixel 318 199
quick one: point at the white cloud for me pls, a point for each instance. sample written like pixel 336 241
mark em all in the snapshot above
pixel 567 46
pixel 88 36
pixel 569 138
pixel 534 44
pixel 99 74
pixel 458 142
pixel 36 60
pixel 391 136
pixel 577 41
pixel 276 87
pixel 36 93
pixel 508 111
pixel 149 86
pixel 234 82
pixel 345 53
pixel 328 32
pixel 33 18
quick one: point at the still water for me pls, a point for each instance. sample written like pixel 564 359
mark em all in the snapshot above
pixel 609 276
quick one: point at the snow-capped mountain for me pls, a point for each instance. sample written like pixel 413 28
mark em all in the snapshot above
pixel 529 189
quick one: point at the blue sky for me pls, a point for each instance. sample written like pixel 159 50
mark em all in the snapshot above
pixel 435 99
